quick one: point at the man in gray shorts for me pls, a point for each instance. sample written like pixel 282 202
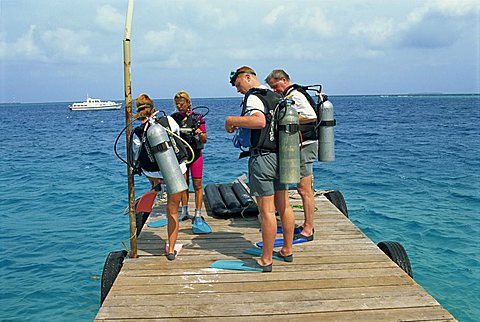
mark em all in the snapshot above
pixel 280 82
pixel 263 174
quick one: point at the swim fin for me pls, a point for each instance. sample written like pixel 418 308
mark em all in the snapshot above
pixel 235 265
pixel 255 251
pixel 162 222
pixel 279 242
pixel 200 226
pixel 296 230
pixel 145 202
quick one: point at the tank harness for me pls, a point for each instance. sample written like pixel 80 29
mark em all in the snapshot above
pixel 191 121
pixel 146 159
pixel 308 130
pixel 262 141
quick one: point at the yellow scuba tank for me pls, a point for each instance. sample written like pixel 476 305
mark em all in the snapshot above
pixel 165 157
pixel 288 143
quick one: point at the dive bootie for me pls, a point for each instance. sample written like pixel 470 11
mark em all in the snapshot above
pixel 184 216
pixel 199 225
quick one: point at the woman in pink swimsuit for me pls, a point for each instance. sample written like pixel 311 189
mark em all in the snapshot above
pixel 197 137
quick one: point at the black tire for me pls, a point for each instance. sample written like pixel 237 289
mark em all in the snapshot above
pixel 336 198
pixel 397 253
pixel 111 268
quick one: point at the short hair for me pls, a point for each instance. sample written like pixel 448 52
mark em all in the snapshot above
pixel 241 70
pixel 277 74
pixel 246 69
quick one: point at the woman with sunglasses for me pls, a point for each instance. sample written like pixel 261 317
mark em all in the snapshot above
pixel 194 131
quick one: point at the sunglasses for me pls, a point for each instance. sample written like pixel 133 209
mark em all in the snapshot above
pixel 234 75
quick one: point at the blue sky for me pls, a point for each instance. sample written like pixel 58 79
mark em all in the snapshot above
pixel 56 50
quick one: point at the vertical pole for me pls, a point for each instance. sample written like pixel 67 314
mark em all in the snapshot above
pixel 128 118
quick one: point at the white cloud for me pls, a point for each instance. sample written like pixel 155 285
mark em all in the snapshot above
pixel 318 22
pixel 155 40
pixel 437 23
pixel 376 33
pixel 66 43
pixel 187 37
pixel 290 18
pixel 25 47
pixel 273 16
pixel 457 8
pixel 214 17
pixel 433 24
pixel 109 18
pixel 171 47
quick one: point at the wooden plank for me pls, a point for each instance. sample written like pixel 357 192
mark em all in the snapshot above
pixel 393 314
pixel 340 275
pixel 187 308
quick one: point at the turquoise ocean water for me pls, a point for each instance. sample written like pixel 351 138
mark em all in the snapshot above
pixel 408 167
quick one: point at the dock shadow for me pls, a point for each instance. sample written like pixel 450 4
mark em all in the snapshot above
pixel 226 243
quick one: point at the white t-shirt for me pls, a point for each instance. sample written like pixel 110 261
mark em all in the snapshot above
pixel 254 104
pixel 303 107
pixel 136 143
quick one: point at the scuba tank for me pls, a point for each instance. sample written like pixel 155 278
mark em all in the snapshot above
pixel 288 144
pixel 161 148
pixel 326 138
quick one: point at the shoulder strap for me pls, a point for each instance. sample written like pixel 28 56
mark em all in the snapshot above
pixel 178 146
pixel 196 119
pixel 163 121
pixel 303 90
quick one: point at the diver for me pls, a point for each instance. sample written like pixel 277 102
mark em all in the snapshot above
pixel 143 158
pixel 193 130
pixel 280 82
pixel 263 169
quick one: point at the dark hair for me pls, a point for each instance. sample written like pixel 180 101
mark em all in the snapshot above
pixel 277 74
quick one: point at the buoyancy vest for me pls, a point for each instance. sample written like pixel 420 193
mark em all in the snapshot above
pixel 308 130
pixel 146 159
pixel 192 121
pixel 263 138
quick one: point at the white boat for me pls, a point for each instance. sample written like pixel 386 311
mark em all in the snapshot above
pixel 93 104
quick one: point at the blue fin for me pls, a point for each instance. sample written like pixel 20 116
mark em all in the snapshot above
pixel 200 226
pixel 234 265
pixel 296 230
pixel 255 251
pixel 162 222
pixel 279 242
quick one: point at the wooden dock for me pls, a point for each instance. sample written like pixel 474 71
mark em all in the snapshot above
pixel 341 275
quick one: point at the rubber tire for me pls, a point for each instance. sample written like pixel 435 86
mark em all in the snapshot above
pixel 336 198
pixel 397 253
pixel 111 268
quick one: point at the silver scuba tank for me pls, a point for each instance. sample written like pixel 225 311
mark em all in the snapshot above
pixel 166 159
pixel 288 144
pixel 326 138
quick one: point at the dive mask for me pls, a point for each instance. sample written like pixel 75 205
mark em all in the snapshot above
pixel 234 75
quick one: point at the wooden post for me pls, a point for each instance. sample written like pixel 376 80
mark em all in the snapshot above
pixel 128 119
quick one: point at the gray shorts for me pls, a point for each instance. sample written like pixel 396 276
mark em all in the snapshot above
pixel 308 154
pixel 263 177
